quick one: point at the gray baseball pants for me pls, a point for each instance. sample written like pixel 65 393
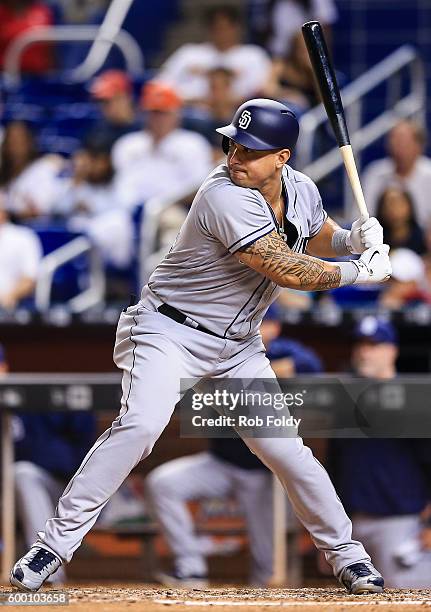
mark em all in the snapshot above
pixel 201 476
pixel 155 353
pixel 384 537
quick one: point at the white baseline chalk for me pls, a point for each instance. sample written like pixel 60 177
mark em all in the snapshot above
pixel 195 602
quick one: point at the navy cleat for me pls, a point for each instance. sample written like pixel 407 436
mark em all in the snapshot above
pixel 31 571
pixel 360 578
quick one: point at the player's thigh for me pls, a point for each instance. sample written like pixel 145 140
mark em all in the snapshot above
pixel 192 477
pixel 250 363
pixel 153 367
pixel 287 449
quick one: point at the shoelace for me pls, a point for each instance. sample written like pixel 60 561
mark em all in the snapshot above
pixel 360 570
pixel 40 560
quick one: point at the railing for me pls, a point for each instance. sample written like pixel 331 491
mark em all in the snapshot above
pixel 149 257
pixel 122 39
pixel 390 71
pixel 91 296
pixel 109 30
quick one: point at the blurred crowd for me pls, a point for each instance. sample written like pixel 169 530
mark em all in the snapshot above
pixel 157 139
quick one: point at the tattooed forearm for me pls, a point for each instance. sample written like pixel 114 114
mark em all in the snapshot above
pixel 272 257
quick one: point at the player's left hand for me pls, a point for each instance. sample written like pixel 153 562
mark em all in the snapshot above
pixel 364 235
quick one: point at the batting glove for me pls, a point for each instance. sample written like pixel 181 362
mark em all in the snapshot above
pixel 364 234
pixel 373 265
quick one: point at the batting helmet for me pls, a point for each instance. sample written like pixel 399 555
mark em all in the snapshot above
pixel 262 124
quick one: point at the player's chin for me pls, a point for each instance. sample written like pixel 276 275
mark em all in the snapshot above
pixel 240 178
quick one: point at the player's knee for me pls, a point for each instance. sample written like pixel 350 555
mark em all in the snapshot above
pixel 279 453
pixel 144 435
pixel 152 481
pixel 26 471
pixel 158 483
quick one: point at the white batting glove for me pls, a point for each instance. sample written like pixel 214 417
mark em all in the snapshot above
pixel 364 235
pixel 373 265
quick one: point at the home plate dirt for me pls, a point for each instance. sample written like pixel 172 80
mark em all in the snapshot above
pixel 156 599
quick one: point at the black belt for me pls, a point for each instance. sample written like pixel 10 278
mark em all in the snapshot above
pixel 179 317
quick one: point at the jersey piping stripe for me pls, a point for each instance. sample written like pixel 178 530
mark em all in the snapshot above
pixel 302 245
pixel 325 216
pixel 256 311
pixel 109 432
pixel 298 242
pixel 256 238
pixel 250 234
pixel 245 305
pixel 274 218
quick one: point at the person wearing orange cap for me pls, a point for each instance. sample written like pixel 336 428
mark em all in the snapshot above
pixel 162 158
pixel 112 90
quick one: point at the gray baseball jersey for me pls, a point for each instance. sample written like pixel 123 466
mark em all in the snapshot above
pixel 201 278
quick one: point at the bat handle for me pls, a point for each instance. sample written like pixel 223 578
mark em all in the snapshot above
pixel 352 173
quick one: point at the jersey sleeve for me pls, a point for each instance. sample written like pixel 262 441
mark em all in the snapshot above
pixel 235 216
pixel 318 214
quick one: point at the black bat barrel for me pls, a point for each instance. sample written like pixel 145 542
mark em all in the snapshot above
pixel 326 79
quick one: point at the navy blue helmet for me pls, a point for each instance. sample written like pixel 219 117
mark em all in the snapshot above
pixel 262 124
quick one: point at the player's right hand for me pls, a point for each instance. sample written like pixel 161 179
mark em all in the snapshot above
pixel 373 265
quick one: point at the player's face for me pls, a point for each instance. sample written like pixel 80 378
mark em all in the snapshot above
pixel 371 359
pixel 252 168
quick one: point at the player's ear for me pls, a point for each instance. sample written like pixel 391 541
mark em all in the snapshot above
pixel 283 157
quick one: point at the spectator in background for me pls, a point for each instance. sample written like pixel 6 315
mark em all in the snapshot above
pixel 20 255
pixel 287 17
pixel 409 283
pixel 228 468
pixel 217 109
pixel 28 180
pixel 113 91
pixel 271 325
pixel 291 79
pixel 90 200
pixel 161 159
pixel 48 449
pixel 18 17
pixel 290 357
pixel 405 167
pixel 386 500
pixel 396 213
pixel 81 11
pixel 187 68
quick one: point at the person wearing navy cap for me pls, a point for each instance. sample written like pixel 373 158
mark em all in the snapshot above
pixel 227 468
pixel 384 483
pixel 271 324
pixel 289 357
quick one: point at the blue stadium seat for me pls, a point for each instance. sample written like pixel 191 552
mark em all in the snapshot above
pixel 71 278
pixel 356 296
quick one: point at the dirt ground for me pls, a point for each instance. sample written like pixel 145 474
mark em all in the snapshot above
pixel 155 599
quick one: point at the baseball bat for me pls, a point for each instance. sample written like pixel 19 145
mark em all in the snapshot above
pixel 330 92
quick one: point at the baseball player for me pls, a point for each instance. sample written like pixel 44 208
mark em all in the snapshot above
pixel 255 225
